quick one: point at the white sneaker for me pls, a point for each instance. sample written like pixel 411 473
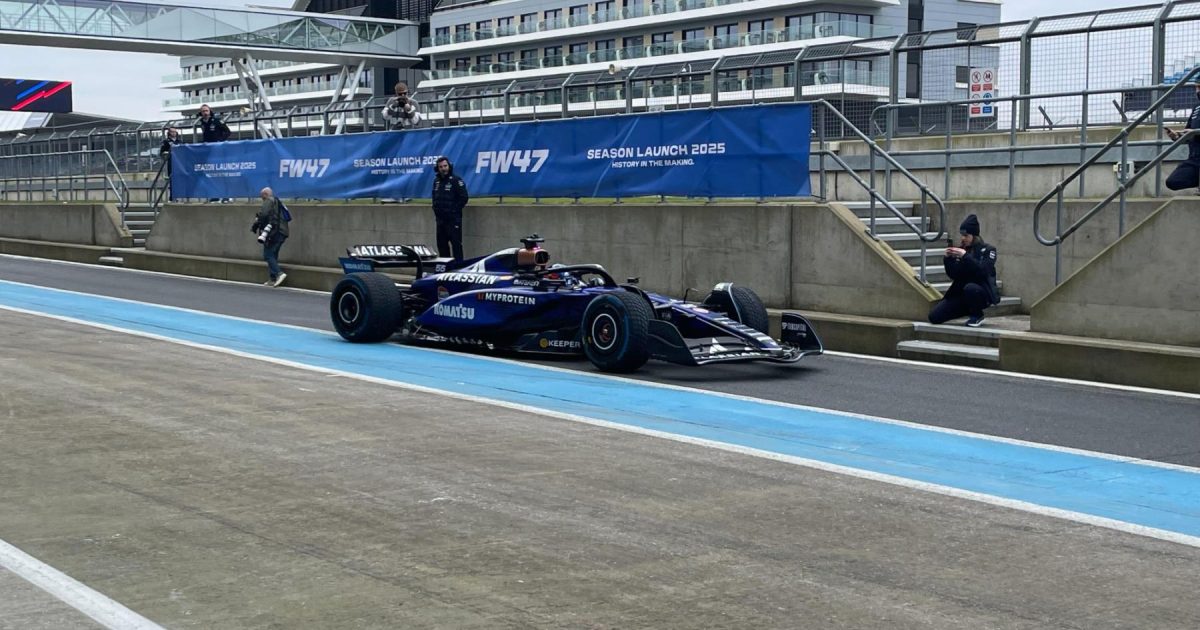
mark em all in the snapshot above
pixel 279 280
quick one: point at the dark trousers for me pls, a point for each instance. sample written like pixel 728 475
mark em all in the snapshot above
pixel 971 301
pixel 449 238
pixel 1186 175
pixel 271 255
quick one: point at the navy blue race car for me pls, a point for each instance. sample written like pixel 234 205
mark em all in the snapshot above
pixel 515 299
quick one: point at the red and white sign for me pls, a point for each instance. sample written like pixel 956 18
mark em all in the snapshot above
pixel 982 90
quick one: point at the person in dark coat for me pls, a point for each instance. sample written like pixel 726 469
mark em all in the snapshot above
pixel 1187 174
pixel 972 270
pixel 271 226
pixel 449 198
pixel 170 139
pixel 212 129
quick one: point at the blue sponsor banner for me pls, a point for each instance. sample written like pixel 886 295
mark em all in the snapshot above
pixel 756 151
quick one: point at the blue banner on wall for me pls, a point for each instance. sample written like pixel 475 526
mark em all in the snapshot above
pixel 756 151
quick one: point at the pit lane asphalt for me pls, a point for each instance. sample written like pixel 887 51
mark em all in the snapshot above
pixel 1136 424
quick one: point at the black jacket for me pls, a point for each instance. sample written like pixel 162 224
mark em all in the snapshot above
pixel 1193 122
pixel 213 129
pixel 449 197
pixel 978 265
pixel 168 143
pixel 271 214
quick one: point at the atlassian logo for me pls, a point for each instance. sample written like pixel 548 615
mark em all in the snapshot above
pixel 527 161
pixel 458 311
pixel 303 168
pixel 470 278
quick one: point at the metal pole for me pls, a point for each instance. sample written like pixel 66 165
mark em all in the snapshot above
pixel 821 144
pixel 1026 78
pixel 1012 149
pixel 949 146
pixel 1158 62
pixel 1058 228
pixel 1121 207
pixel 1083 142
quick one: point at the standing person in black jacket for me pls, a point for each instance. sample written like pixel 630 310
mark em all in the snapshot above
pixel 212 129
pixel 1187 174
pixel 170 139
pixel 449 198
pixel 972 267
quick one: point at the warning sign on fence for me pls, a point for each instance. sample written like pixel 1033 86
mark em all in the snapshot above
pixel 982 91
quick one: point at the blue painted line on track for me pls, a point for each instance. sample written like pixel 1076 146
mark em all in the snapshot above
pixel 1136 493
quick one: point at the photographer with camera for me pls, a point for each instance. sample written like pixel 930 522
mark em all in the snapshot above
pixel 401 112
pixel 972 268
pixel 271 226
pixel 212 129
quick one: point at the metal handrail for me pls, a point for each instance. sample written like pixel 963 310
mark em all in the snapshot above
pixel 1121 138
pixel 157 193
pixel 112 173
pixel 874 148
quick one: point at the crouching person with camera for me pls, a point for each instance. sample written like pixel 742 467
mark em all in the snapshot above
pixel 271 226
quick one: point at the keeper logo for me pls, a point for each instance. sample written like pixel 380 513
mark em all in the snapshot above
pixel 303 167
pixel 526 161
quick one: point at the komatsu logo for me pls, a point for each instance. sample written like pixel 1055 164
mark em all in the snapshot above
pixel 303 168
pixel 458 311
pixel 526 161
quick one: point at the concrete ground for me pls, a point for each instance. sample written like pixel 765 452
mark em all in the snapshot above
pixel 204 490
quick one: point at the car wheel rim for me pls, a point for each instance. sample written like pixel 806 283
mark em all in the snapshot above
pixel 349 308
pixel 604 331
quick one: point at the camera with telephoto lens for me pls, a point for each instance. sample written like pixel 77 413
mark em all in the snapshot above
pixel 264 235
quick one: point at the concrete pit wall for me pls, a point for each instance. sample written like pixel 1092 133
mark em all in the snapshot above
pixel 1141 288
pixel 64 223
pixel 804 256
pixel 1026 266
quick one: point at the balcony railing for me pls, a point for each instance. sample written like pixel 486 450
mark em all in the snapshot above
pixel 242 95
pixel 843 28
pixel 230 70
pixel 600 17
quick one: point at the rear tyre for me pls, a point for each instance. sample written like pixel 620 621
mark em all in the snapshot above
pixel 366 307
pixel 616 331
pixel 742 305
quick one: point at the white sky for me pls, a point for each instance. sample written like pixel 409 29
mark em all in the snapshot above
pixel 125 85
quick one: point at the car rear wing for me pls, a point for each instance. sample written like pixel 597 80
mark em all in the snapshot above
pixel 372 256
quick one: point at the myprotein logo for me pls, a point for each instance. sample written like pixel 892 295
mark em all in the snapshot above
pixel 525 161
pixel 303 168
pixel 458 311
pixel 509 298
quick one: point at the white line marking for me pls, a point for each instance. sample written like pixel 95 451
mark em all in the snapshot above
pixel 103 609
pixel 633 381
pixel 1020 375
pixel 866 357
pixel 159 273
pixel 1087 519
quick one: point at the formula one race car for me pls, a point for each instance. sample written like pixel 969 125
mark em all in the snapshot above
pixel 515 300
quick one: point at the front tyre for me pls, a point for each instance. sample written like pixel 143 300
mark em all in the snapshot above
pixel 740 304
pixel 366 307
pixel 616 331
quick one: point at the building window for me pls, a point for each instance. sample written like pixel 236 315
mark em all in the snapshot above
pixel 690 34
pixel 529 54
pixel 635 42
pixel 504 26
pixel 440 64
pixel 552 56
pixel 757 26
pixel 662 38
pixel 483 25
pixel 483 60
pixel 552 51
pixel 579 15
pixel 726 35
pixel 504 58
pixel 553 18
pixel 441 35
pixel 578 48
pixel 462 63
pixel 529 23
pixel 605 11
pixel 528 17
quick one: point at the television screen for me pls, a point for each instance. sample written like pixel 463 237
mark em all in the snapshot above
pixel 30 95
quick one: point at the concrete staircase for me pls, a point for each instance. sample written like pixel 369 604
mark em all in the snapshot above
pixel 900 238
pixel 958 345
pixel 139 218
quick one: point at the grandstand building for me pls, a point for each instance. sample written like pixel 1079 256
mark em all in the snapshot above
pixel 309 87
pixel 704 49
